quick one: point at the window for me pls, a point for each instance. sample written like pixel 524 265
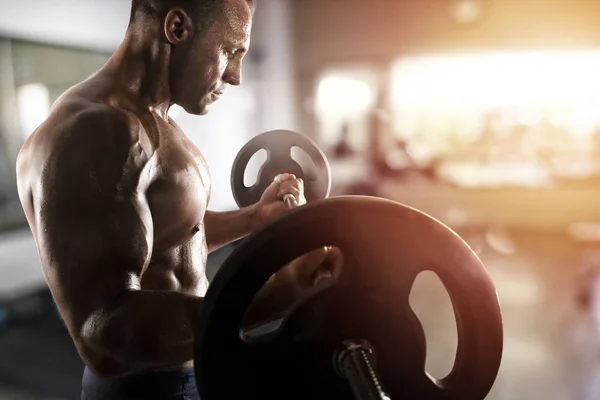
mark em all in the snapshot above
pixel 33 76
pixel 33 101
pixel 538 112
pixel 343 99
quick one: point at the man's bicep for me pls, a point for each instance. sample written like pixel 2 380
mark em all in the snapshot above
pixel 94 230
pixel 90 260
pixel 90 263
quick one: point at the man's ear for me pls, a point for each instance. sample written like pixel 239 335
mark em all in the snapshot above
pixel 178 26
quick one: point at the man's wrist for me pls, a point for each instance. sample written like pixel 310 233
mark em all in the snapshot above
pixel 252 218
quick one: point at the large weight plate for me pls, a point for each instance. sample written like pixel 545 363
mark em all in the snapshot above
pixel 385 246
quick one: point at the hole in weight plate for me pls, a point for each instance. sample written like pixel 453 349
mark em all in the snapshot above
pixel 304 160
pixel 431 302
pixel 256 161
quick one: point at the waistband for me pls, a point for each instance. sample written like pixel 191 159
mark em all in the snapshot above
pixel 147 386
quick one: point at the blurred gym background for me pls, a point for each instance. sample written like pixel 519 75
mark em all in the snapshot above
pixel 482 113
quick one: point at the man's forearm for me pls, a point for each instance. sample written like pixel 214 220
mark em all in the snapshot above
pixel 222 228
pixel 146 329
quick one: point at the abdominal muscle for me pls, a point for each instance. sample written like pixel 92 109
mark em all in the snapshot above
pixel 182 270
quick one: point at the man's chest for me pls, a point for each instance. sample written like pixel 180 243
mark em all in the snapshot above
pixel 180 192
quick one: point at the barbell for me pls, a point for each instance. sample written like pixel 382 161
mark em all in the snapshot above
pixel 358 337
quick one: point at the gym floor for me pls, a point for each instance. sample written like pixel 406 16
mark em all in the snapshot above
pixel 551 348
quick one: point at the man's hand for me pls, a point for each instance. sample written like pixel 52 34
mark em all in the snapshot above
pixel 293 284
pixel 222 228
pixel 271 204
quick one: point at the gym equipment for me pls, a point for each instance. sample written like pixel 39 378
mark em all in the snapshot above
pixel 278 145
pixel 357 338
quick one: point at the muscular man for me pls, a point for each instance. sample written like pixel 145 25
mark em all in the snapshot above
pixel 116 197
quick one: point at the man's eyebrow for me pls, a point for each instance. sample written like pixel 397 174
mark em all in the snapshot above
pixel 240 45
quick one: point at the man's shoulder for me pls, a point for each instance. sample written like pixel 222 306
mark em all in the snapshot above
pixel 77 125
pixel 79 131
pixel 95 121
pixel 78 110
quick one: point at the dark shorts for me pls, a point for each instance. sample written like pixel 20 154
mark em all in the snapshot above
pixel 167 385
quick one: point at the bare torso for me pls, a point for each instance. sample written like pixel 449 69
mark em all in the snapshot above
pixel 178 188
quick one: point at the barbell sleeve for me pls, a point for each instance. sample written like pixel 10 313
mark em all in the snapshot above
pixel 290 200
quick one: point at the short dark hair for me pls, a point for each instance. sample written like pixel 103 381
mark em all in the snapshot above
pixel 206 8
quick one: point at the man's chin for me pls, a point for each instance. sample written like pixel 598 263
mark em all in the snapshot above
pixel 204 110
pixel 200 109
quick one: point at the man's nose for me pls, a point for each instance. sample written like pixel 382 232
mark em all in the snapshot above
pixel 233 75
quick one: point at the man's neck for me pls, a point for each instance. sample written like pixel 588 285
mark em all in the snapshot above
pixel 140 71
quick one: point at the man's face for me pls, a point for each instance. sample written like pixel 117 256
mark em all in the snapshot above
pixel 204 65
